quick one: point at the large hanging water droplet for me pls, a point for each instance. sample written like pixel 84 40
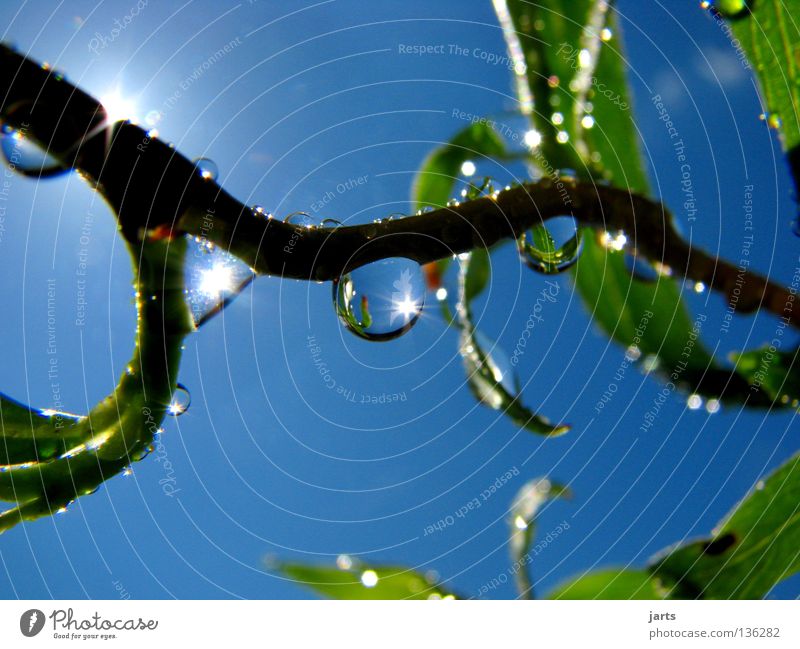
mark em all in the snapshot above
pixel 28 158
pixel 213 277
pixel 207 168
pixel 551 248
pixel 382 300
pixel 181 400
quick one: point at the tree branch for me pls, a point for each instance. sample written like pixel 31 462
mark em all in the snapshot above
pixel 151 186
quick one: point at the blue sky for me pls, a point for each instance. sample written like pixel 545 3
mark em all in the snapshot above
pixel 268 460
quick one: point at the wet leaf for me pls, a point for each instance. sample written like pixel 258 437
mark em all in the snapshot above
pixel 751 551
pixel 522 522
pixel 435 181
pixel 27 434
pixel 768 33
pixel 120 428
pixel 490 375
pixel 754 548
pixel 361 581
pixel 609 584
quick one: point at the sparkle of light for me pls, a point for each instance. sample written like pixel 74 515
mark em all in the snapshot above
pixel 587 121
pixel 215 280
pixel 520 523
pixel 406 307
pixel 118 107
pixel 533 138
pixel 614 241
pixel 369 578
pixel 468 168
pixel 694 401
pixel 441 294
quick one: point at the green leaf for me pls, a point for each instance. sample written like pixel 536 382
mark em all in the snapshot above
pixel 522 522
pixel 121 428
pixel 579 44
pixel 493 382
pixel 752 550
pixel 434 182
pixel 478 273
pixel 27 434
pixel 609 584
pixel 767 30
pixel 362 581
pixel 772 373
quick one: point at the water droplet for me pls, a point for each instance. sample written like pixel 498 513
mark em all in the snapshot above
pixel 369 578
pixel 606 34
pixel 181 400
pixel 562 137
pixel 760 485
pixel 28 158
pixel 213 277
pixel 557 119
pixel 633 353
pixel 258 210
pixel 651 363
pixel 207 168
pixel 441 294
pixel 382 300
pixel 532 138
pixel 468 168
pixel 712 406
pixel 153 117
pixel 774 121
pixel 694 402
pixel 141 453
pixel 553 247
pixel 616 241
pixel 587 121
pixel 344 562
pixel 732 9
pixel 310 222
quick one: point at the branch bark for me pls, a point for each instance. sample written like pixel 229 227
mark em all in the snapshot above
pixel 151 186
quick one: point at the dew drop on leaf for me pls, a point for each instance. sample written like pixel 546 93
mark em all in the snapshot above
pixel 732 8
pixel 553 247
pixel 213 278
pixel 207 168
pixel 181 400
pixel 382 300
pixel 28 158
